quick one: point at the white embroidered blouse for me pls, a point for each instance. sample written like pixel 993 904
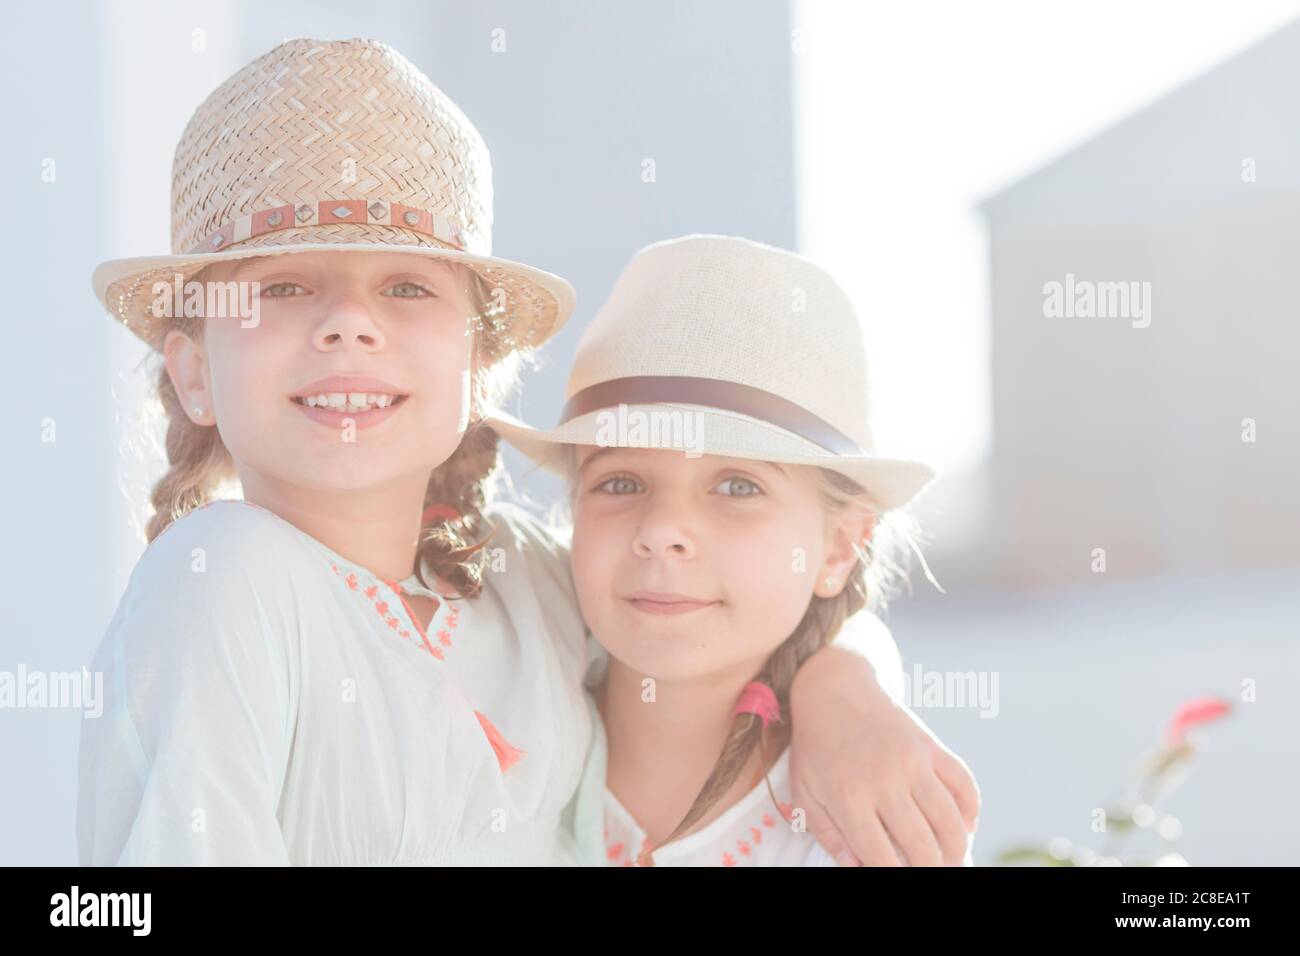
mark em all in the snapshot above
pixel 269 702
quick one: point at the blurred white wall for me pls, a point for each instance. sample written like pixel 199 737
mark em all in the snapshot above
pixel 582 94
pixel 1058 436
pixel 1109 435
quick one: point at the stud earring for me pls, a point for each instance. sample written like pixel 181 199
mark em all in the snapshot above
pixel 198 411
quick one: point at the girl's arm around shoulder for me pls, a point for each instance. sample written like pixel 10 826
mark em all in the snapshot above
pixel 184 763
pixel 873 777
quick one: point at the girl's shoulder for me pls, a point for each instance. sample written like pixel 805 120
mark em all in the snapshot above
pixel 871 636
pixel 524 530
pixel 520 539
pixel 214 595
pixel 529 568
pixel 222 548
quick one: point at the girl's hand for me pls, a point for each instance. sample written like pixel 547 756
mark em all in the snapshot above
pixel 865 769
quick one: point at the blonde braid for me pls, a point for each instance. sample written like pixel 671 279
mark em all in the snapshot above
pixel 821 622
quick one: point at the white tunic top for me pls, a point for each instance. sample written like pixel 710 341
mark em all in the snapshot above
pixel 269 702
pixel 752 832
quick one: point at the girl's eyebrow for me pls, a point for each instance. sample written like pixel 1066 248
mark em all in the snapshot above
pixel 244 263
pixel 742 464
pixel 596 454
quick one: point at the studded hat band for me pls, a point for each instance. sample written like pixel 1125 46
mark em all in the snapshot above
pixel 328 211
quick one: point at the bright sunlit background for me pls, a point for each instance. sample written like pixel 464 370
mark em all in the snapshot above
pixel 945 160
pixel 907 117
pixel 950 159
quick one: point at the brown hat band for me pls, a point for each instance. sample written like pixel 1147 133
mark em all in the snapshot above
pixel 714 393
pixel 327 211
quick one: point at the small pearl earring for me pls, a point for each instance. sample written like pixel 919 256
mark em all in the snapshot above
pixel 830 582
pixel 198 411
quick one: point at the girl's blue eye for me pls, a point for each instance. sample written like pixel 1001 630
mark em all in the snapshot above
pixel 744 481
pixel 625 480
pixel 270 290
pixel 413 290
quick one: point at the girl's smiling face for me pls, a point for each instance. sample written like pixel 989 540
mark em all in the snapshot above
pixel 697 567
pixel 390 331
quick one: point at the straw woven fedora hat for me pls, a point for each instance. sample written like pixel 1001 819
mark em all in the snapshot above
pixel 332 145
pixel 757 346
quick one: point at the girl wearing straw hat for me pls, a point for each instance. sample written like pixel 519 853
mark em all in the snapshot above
pixel 365 659
pixel 730 514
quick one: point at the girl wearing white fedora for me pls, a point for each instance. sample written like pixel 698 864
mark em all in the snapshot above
pixel 730 515
pixel 365 659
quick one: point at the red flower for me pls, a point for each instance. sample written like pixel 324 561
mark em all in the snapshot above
pixel 1203 710
pixel 382 608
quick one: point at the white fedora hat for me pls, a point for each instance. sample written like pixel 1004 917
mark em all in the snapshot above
pixel 756 350
pixel 333 145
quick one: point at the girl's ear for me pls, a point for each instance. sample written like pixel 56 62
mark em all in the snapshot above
pixel 848 533
pixel 187 367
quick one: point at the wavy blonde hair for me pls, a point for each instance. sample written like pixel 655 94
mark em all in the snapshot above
pixel 879 573
pixel 454 529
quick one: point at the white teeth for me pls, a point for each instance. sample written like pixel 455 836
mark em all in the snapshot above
pixel 349 401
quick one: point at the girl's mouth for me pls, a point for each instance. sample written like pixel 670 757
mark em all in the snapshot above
pixel 336 409
pixel 667 604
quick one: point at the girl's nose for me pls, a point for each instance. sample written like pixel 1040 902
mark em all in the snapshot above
pixel 348 325
pixel 662 537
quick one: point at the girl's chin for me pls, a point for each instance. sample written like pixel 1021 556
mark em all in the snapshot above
pixel 351 469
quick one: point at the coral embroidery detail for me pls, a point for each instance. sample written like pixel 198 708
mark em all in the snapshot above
pixel 643 858
pixel 397 589
pixel 383 609
pixel 507 755
pixel 745 851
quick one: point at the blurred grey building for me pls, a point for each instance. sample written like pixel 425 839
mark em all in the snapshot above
pixel 1110 435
